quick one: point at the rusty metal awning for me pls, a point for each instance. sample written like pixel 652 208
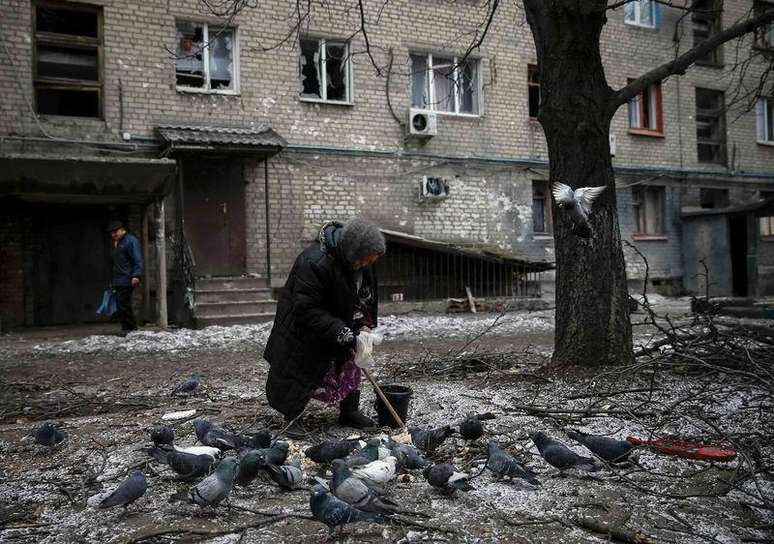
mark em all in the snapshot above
pixel 96 180
pixel 478 251
pixel 261 140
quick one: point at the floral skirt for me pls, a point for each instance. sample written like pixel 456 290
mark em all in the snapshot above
pixel 340 380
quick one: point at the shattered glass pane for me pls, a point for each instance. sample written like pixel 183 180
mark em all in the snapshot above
pixel 336 71
pixel 221 59
pixel 469 87
pixel 189 63
pixel 443 84
pixel 309 68
pixel 419 89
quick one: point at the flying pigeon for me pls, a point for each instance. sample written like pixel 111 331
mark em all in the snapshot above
pixel 49 435
pixel 429 440
pixel 504 465
pixel 471 428
pixel 286 476
pixel 188 465
pixel 188 386
pixel 607 448
pixel 577 204
pixel 411 458
pixel 162 434
pixel 214 488
pixel 445 477
pixel 352 490
pixel 560 456
pixel 329 450
pixel 214 436
pixel 377 472
pixel 334 512
pixel 127 491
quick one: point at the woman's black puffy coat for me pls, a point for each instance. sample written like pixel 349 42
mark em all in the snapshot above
pixel 318 301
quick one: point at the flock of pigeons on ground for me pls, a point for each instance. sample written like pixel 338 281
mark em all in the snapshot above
pixel 359 470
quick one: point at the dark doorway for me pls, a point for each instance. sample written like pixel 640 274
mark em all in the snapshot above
pixel 71 262
pixel 214 204
pixel 737 227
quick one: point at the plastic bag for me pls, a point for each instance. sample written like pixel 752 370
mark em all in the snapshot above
pixel 364 351
pixel 109 306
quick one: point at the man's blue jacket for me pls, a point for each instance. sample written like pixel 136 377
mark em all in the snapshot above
pixel 127 260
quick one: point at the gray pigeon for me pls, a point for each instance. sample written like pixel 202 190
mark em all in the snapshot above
pixel 286 476
pixel 188 386
pixel 188 465
pixel 607 448
pixel 49 435
pixel 505 465
pixel 365 455
pixel 255 439
pixel 445 477
pixel 214 436
pixel 356 492
pixel 127 491
pixel 334 512
pixel 471 428
pixel 577 204
pixel 251 461
pixel 329 450
pixel 560 456
pixel 214 488
pixel 162 434
pixel 429 440
pixel 410 457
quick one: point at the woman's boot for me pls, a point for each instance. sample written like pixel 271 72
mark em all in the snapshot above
pixel 350 414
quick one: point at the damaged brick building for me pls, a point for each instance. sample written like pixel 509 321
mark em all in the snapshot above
pixel 225 142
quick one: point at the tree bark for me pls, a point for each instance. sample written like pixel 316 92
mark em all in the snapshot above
pixel 592 318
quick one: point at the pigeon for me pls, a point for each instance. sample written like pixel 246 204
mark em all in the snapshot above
pixel 162 434
pixel 329 450
pixel 188 465
pixel 188 386
pixel 377 472
pixel 560 456
pixel 504 465
pixel 286 476
pixel 212 489
pixel 255 439
pixel 445 477
pixel 252 460
pixel 607 448
pixel 334 512
pixel 411 457
pixel 471 428
pixel 49 435
pixel 199 450
pixel 577 204
pixel 214 436
pixel 352 490
pixel 428 441
pixel 367 454
pixel 127 491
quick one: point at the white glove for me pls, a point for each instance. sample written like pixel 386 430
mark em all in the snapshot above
pixel 365 342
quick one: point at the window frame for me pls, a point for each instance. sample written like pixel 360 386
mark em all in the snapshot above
pixel 322 50
pixel 759 43
pixel 656 101
pixel 762 121
pixel 532 69
pixel 638 15
pixel 723 130
pixel 431 84
pixel 70 41
pixel 548 220
pixel 206 61
pixel 768 221
pixel 640 211
pixel 713 59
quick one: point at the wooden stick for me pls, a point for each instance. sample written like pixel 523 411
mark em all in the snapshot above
pixel 386 402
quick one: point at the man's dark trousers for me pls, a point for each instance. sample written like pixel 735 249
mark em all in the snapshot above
pixel 124 303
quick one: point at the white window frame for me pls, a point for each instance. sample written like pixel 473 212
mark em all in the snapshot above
pixel 206 62
pixel 762 121
pixel 323 52
pixel 431 85
pixel 638 14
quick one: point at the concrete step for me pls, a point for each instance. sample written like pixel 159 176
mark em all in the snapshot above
pixel 233 295
pixel 230 282
pixel 216 309
pixel 226 320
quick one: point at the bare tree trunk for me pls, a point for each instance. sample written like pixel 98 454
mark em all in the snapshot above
pixel 592 318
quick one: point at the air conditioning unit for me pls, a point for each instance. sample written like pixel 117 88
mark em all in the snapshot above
pixel 433 187
pixel 422 123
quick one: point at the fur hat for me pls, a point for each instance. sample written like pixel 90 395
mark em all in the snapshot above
pixel 360 238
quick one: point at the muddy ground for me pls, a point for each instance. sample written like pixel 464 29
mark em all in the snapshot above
pixel 107 392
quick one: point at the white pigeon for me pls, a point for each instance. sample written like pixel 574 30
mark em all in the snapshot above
pixel 577 204
pixel 377 472
pixel 200 450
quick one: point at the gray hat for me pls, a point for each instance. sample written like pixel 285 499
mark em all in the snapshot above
pixel 360 238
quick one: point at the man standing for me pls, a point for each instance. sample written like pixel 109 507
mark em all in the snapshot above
pixel 127 272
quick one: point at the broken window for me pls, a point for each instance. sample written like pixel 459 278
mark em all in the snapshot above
pixel 205 58
pixel 67 59
pixel 641 13
pixel 645 112
pixel 764 120
pixel 764 35
pixel 648 208
pixel 325 70
pixel 766 223
pixel 713 198
pixel 710 126
pixel 440 83
pixel 533 86
pixel 707 23
pixel 541 207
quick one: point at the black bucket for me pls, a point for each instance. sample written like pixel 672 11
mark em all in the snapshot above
pixel 399 396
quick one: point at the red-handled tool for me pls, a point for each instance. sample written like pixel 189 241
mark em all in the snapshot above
pixel 685 448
